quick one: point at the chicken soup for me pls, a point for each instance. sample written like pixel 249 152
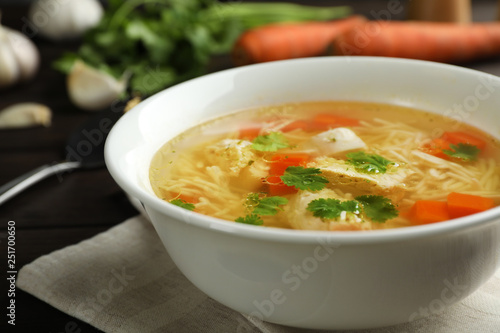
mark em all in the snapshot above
pixel 333 165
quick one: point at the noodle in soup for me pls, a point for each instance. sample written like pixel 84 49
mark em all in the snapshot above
pixel 331 165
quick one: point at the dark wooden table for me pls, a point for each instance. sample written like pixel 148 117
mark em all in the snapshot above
pixel 61 211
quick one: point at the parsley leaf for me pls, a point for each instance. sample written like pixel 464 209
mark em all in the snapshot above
pixel 183 204
pixel 261 206
pixel 331 208
pixel 463 151
pixel 270 142
pixel 368 163
pixel 270 205
pixel 252 200
pixel 250 219
pixel 304 178
pixel 161 43
pixel 377 208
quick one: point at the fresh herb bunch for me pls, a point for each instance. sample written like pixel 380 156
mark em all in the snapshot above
pixel 159 43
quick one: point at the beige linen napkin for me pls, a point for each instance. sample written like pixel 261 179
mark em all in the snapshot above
pixel 123 280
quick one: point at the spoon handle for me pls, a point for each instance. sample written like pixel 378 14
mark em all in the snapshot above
pixel 32 177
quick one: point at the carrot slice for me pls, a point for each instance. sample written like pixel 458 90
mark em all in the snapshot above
pixel 279 162
pixel 460 204
pixel 461 137
pixel 325 121
pixel 428 211
pixel 277 187
pixel 250 133
pixel 188 198
pixel 436 147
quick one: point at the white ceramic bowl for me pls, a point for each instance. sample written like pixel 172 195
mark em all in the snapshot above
pixel 314 279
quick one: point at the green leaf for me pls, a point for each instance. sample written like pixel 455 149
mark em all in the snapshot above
pixel 368 163
pixel 304 178
pixel 463 151
pixel 183 204
pixel 377 208
pixel 270 142
pixel 252 200
pixel 250 219
pixel 270 205
pixel 147 80
pixel 330 208
pixel 179 35
pixel 65 63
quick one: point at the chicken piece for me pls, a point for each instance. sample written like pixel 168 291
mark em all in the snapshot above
pixel 300 218
pixel 252 175
pixel 341 174
pixel 237 159
pixel 231 155
pixel 336 141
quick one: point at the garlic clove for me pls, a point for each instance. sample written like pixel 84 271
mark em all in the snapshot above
pixel 60 20
pixel 25 115
pixel 93 14
pixel 132 103
pixel 19 57
pixel 9 70
pixel 25 52
pixel 91 89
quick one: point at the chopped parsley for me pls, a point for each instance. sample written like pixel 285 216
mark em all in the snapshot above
pixel 258 206
pixel 368 163
pixel 183 204
pixel 270 205
pixel 304 178
pixel 252 200
pixel 270 142
pixel 377 208
pixel 250 219
pixel 332 208
pixel 463 151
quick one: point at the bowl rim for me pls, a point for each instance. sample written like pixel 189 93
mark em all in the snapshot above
pixel 150 201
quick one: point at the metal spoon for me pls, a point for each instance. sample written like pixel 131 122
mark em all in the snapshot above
pixel 84 150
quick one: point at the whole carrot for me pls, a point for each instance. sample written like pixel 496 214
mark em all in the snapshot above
pixel 289 40
pixel 433 41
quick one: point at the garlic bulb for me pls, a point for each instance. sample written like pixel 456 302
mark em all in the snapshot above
pixel 59 20
pixel 91 89
pixel 19 57
pixel 25 115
